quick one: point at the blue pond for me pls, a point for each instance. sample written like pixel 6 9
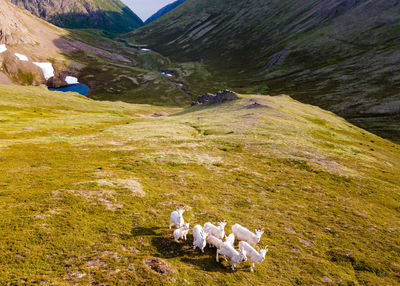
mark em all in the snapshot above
pixel 79 88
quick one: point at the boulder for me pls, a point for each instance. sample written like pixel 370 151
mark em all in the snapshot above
pixel 220 97
pixel 56 81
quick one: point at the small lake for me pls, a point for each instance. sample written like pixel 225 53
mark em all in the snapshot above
pixel 78 87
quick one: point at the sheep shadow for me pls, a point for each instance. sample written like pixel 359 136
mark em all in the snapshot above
pixel 163 241
pixel 144 231
pixel 168 248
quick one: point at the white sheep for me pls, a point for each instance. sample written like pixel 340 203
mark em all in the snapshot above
pixel 177 218
pixel 217 231
pixel 216 242
pixel 199 238
pixel 252 254
pixel 227 250
pixel 230 239
pixel 244 234
pixel 213 241
pixel 181 233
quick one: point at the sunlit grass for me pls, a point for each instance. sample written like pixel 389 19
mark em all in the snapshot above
pixel 86 189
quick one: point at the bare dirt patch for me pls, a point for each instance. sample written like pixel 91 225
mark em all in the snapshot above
pixel 98 197
pixel 128 184
pixel 106 194
pixel 159 266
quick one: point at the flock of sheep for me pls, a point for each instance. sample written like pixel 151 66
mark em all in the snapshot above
pixel 214 235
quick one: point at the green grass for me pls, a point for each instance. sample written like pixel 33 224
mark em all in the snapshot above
pixel 26 78
pixel 86 189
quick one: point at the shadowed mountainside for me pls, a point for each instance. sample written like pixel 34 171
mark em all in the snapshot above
pixel 341 55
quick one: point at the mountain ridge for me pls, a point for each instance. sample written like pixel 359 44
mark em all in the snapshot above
pixel 113 17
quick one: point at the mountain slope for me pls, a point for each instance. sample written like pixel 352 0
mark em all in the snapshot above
pixel 164 11
pixel 112 16
pixel 340 55
pixel 112 70
pixel 22 33
pixel 87 188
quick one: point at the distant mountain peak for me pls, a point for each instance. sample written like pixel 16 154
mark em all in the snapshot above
pixel 164 11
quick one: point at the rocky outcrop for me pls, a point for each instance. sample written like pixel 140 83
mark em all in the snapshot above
pixel 220 97
pixel 56 81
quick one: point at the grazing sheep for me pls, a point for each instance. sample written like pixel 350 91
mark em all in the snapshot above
pixel 228 250
pixel 199 238
pixel 252 254
pixel 230 239
pixel 216 242
pixel 177 218
pixel 181 233
pixel 217 231
pixel 244 234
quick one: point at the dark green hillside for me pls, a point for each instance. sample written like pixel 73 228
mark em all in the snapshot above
pixel 340 55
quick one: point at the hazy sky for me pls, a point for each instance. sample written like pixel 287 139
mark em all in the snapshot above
pixel 145 8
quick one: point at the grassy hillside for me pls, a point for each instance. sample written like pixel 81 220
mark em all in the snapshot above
pixel 111 16
pixel 129 75
pixel 86 189
pixel 340 55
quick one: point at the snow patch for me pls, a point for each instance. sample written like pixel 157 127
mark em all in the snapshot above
pixel 71 80
pixel 167 74
pixel 21 57
pixel 144 50
pixel 3 48
pixel 47 68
